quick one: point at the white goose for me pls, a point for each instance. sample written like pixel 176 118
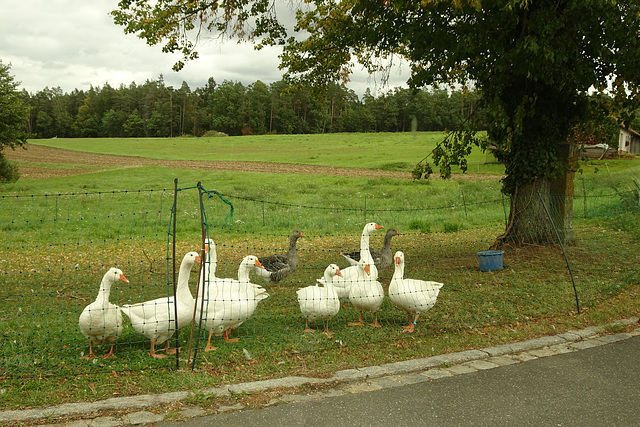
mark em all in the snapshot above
pixel 351 273
pixel 156 319
pixel 101 321
pixel 383 258
pixel 243 283
pixel 366 294
pixel 227 303
pixel 320 303
pixel 209 267
pixel 211 263
pixel 340 286
pixel 412 295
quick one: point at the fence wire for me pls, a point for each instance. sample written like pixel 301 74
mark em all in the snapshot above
pixel 57 248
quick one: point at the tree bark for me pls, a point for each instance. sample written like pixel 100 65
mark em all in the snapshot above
pixel 541 212
pixel 562 192
pixel 528 221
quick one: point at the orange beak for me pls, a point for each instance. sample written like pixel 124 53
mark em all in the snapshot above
pixel 397 260
pixel 258 264
pixel 378 227
pixel 339 273
pixel 367 269
pixel 198 258
pixel 123 279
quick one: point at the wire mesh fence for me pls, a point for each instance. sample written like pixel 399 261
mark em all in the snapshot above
pixel 57 248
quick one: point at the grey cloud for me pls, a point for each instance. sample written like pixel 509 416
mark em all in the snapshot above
pixel 75 45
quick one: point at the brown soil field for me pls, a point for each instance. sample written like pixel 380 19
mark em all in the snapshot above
pixel 32 158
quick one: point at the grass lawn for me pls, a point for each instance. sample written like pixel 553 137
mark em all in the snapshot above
pixel 55 248
pixel 388 151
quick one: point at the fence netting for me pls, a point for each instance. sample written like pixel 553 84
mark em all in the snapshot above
pixel 57 248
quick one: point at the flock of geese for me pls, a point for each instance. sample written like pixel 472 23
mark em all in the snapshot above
pixel 223 304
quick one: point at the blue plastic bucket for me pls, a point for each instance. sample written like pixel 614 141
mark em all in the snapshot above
pixel 490 260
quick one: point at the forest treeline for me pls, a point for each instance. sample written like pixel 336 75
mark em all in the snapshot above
pixel 154 109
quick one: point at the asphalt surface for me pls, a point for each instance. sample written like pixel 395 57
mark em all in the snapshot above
pixel 595 386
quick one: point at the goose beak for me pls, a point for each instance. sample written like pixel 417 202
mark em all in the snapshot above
pixel 198 259
pixel 303 235
pixel 397 260
pixel 367 269
pixel 259 264
pixel 379 227
pixel 206 248
pixel 123 279
pixel 339 273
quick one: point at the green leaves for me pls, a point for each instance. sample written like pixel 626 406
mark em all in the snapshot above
pixel 178 24
pixel 13 112
pixel 453 150
pixel 533 61
pixel 13 119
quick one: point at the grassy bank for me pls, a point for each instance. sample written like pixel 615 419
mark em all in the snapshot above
pixel 55 249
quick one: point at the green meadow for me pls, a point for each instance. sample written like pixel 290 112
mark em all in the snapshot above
pixel 58 235
pixel 369 151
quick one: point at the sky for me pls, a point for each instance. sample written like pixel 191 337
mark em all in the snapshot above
pixel 74 44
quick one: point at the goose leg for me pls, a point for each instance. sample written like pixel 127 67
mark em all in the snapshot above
pixel 153 353
pixel 209 347
pixel 110 354
pixel 91 353
pixel 408 325
pixel 375 323
pixel 226 337
pixel 170 350
pixel 306 326
pixel 412 323
pixel 359 322
pixel 328 333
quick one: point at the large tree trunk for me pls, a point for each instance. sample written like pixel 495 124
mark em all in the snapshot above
pixel 528 219
pixel 562 191
pixel 542 211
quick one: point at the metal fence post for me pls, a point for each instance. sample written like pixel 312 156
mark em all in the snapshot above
pixel 555 230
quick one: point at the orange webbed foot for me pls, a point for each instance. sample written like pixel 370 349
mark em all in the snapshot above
pixel 408 328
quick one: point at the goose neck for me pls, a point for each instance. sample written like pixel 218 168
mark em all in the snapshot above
pixel 293 239
pixel 243 273
pixel 105 289
pixel 399 271
pixel 183 280
pixel 204 280
pixel 364 241
pixel 328 280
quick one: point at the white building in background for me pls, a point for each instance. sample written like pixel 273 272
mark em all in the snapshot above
pixel 629 141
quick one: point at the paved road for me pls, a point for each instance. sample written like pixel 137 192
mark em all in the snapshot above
pixel 597 386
